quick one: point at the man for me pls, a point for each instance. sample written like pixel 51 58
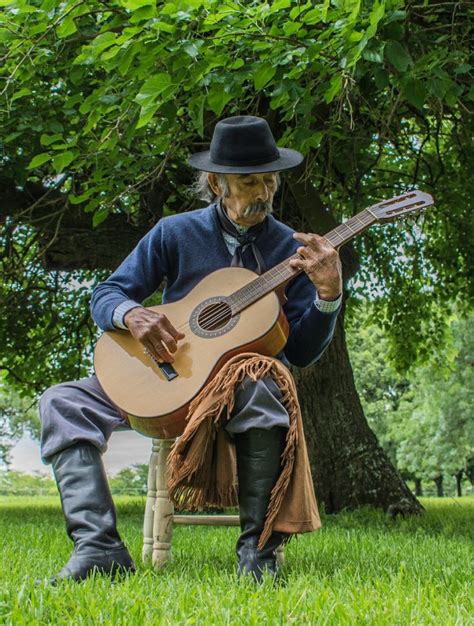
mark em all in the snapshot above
pixel 237 228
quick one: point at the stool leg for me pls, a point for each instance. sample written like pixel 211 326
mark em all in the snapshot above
pixel 163 517
pixel 147 551
pixel 280 555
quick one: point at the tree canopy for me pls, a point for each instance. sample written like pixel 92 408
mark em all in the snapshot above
pixel 102 102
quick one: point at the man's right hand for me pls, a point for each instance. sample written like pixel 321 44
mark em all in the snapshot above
pixel 154 331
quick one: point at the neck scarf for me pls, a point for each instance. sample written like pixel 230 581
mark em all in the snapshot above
pixel 247 253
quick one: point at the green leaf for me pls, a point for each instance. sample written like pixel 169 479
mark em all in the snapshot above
pixel 99 216
pixel 415 92
pixel 22 92
pixel 47 140
pixel 335 87
pixel 217 98
pixel 290 28
pixel 397 56
pixel 38 160
pixel 152 88
pixel 196 113
pixel 67 27
pixel 382 78
pixel 263 75
pixel 313 16
pixel 146 114
pixel 133 5
pixel 62 160
pixel 280 4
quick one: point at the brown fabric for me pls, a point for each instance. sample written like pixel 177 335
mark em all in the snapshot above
pixel 202 466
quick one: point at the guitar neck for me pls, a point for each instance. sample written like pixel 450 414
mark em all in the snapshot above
pixel 283 272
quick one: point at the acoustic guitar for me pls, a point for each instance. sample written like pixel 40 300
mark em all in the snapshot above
pixel 230 311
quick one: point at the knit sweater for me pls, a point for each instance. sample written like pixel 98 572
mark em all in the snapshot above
pixel 182 249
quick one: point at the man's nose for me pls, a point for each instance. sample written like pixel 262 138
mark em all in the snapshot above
pixel 263 193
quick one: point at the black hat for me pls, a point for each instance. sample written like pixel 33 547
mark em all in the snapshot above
pixel 243 145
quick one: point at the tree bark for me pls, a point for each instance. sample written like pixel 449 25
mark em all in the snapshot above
pixel 439 486
pixel 458 476
pixel 418 487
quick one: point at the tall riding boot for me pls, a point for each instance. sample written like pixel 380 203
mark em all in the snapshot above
pixel 90 515
pixel 258 468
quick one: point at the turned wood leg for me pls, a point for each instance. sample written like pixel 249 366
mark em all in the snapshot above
pixel 147 551
pixel 280 555
pixel 163 509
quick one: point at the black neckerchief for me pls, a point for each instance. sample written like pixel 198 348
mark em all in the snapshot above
pixel 247 253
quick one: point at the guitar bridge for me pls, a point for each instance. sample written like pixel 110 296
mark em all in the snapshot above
pixel 168 370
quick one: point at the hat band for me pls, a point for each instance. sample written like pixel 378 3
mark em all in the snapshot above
pixel 241 163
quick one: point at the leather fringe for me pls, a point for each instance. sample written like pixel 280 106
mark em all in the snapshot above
pixel 200 469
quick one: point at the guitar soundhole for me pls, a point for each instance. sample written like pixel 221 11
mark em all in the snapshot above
pixel 214 316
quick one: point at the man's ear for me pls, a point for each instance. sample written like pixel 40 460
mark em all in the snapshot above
pixel 213 184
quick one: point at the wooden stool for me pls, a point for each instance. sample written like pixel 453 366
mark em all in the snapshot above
pixel 159 512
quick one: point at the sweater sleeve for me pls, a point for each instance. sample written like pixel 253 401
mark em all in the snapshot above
pixel 311 329
pixel 136 278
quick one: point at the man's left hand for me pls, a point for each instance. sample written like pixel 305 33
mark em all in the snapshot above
pixel 321 262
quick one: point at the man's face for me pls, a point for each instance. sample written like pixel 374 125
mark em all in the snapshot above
pixel 250 197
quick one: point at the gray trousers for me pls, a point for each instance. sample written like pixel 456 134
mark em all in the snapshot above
pixel 79 411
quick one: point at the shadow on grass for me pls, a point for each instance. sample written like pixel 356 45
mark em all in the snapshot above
pixel 449 518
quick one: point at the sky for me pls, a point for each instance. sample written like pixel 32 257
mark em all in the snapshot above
pixel 125 448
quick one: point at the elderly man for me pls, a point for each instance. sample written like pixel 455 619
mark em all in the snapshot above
pixel 239 177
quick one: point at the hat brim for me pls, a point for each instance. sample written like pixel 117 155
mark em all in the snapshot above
pixel 288 159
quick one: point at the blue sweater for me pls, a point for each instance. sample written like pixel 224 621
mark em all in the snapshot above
pixel 182 249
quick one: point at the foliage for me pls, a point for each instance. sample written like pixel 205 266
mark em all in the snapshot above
pixel 434 425
pixel 103 102
pixel 423 418
pixel 14 483
pixel 17 416
pixel 131 480
pixel 362 568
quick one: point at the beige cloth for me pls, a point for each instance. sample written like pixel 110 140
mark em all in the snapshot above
pixel 202 466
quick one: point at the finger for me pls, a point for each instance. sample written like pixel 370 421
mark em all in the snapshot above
pixel 307 237
pixel 298 263
pixel 168 340
pixel 158 351
pixel 175 333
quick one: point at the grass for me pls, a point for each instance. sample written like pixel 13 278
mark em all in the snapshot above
pixel 361 568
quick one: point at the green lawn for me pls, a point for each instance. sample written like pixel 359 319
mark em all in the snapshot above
pixel 361 568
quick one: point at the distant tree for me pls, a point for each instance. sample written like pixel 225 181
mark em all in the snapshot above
pixel 18 416
pixel 13 483
pixel 434 425
pixel 130 480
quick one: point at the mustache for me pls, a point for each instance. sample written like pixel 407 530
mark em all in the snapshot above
pixel 259 207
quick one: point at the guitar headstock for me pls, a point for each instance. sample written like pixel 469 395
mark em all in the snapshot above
pixel 408 203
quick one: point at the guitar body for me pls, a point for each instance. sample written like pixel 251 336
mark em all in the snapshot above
pixel 155 401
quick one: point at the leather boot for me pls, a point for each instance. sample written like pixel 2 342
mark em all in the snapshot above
pixel 90 515
pixel 258 468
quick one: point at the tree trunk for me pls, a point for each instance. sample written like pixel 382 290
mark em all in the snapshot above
pixel 418 487
pixel 349 467
pixel 439 486
pixel 459 483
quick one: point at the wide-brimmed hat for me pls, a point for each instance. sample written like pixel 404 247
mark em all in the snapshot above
pixel 243 145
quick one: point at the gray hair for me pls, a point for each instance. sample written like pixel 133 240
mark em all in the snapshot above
pixel 202 188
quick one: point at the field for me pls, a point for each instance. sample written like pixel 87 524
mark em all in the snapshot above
pixel 361 568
